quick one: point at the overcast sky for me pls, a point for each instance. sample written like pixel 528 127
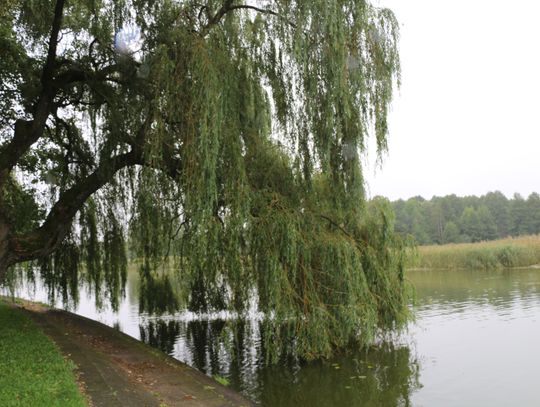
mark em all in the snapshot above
pixel 467 119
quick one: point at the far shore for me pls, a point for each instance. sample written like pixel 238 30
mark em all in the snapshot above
pixel 514 252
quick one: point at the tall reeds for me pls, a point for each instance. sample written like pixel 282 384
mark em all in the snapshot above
pixel 523 251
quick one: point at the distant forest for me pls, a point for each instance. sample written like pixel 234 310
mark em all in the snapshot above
pixel 453 219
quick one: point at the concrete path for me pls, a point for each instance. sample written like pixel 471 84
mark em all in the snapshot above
pixel 116 370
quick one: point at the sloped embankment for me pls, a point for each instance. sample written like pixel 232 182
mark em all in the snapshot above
pixel 117 370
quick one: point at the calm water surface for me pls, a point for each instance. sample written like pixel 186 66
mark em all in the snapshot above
pixel 476 342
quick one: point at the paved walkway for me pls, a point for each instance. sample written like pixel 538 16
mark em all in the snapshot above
pixel 116 370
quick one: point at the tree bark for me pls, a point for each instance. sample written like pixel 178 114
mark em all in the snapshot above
pixel 46 239
pixel 27 132
pixel 4 232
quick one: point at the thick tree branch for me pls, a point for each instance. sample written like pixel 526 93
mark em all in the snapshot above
pixel 50 63
pixel 44 240
pixel 28 132
pixel 220 13
pixel 74 74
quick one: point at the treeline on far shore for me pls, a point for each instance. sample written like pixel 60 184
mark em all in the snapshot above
pixel 453 219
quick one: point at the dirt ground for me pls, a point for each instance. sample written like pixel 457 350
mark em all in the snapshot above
pixel 117 370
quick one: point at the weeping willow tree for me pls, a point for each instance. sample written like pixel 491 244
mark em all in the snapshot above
pixel 216 142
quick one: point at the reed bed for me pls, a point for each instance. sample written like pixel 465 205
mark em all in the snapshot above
pixel 523 251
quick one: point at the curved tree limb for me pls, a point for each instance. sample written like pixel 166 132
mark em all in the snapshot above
pixel 27 132
pixel 228 7
pixel 44 240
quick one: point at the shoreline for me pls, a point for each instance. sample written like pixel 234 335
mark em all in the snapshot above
pixel 415 269
pixel 522 252
pixel 115 369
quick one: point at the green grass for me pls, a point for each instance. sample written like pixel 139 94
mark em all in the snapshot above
pixel 505 253
pixel 222 380
pixel 32 370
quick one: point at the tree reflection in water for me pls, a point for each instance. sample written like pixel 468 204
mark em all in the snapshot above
pixel 385 375
pixel 160 334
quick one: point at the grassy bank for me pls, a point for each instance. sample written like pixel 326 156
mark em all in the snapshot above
pixel 32 370
pixel 505 253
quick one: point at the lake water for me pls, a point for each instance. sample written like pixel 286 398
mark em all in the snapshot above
pixel 475 342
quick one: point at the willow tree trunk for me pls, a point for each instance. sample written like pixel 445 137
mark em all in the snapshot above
pixel 4 249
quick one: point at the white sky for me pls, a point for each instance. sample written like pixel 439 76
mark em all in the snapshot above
pixel 467 119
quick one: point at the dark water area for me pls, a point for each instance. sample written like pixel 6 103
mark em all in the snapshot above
pixel 383 376
pixel 474 343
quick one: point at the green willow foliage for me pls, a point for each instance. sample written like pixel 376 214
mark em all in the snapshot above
pixel 252 122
